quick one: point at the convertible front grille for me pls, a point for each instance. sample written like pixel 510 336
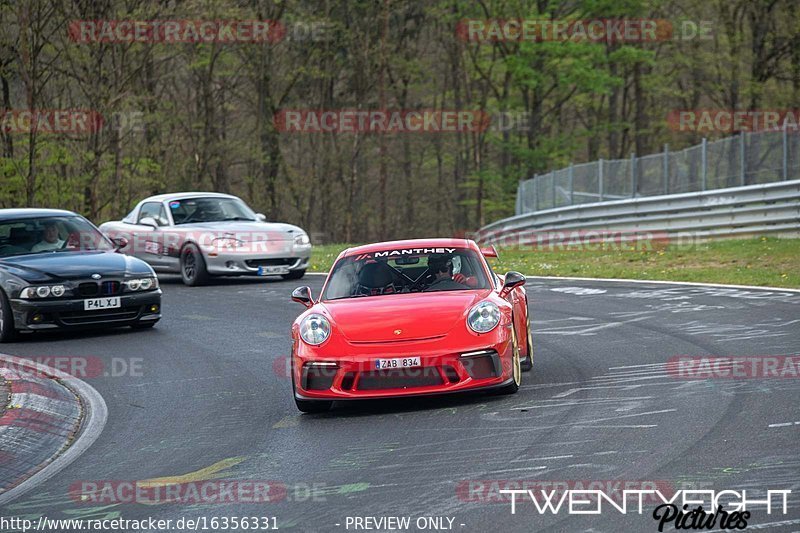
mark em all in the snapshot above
pixel 280 261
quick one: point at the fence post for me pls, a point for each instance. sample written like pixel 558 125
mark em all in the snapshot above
pixel 571 184
pixel 666 168
pixel 553 186
pixel 536 192
pixel 785 152
pixel 633 175
pixel 741 159
pixel 600 178
pixel 704 162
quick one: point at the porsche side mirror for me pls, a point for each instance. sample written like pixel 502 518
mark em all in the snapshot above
pixel 261 217
pixel 302 295
pixel 119 242
pixel 512 281
pixel 149 221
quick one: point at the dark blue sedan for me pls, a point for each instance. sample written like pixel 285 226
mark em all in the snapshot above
pixel 58 271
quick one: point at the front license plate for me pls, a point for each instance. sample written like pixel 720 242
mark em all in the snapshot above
pixel 397 362
pixel 101 303
pixel 272 270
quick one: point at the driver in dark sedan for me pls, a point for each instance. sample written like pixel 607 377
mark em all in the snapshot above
pixel 50 239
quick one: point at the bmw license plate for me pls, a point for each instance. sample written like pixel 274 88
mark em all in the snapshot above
pixel 397 362
pixel 272 270
pixel 101 303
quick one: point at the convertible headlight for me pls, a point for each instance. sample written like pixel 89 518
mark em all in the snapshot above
pixel 141 284
pixel 484 317
pixel 227 242
pixel 43 291
pixel 302 240
pixel 314 329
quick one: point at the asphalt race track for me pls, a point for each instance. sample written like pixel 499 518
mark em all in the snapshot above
pixel 209 401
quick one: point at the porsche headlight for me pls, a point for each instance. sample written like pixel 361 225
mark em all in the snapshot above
pixel 484 317
pixel 302 240
pixel 314 329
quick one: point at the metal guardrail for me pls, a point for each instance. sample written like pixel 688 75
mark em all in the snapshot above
pixel 741 160
pixel 753 209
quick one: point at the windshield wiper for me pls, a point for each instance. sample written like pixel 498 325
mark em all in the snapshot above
pixel 240 218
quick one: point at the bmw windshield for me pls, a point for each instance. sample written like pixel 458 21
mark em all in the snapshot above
pixel 50 234
pixel 406 271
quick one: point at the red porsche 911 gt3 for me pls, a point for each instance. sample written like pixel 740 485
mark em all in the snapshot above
pixel 410 318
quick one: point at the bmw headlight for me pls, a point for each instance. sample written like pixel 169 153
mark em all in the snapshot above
pixel 43 291
pixel 141 284
pixel 314 329
pixel 302 240
pixel 484 317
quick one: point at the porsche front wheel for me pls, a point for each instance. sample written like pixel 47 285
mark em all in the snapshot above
pixel 516 367
pixel 527 363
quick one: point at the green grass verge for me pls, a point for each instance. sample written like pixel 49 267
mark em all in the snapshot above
pixel 762 261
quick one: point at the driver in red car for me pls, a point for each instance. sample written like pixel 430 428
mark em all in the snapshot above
pixel 441 266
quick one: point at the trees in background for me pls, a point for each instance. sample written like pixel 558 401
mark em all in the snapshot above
pixel 200 116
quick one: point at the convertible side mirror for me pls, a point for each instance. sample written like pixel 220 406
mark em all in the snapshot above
pixel 119 242
pixel 149 221
pixel 261 217
pixel 512 281
pixel 302 295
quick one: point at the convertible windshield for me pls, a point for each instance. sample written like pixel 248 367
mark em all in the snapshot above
pixel 192 210
pixel 50 234
pixel 404 271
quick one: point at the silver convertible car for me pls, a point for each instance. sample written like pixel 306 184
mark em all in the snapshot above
pixel 201 234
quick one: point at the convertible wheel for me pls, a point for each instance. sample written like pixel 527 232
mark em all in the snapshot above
pixel 527 363
pixel 294 274
pixel 7 331
pixel 193 266
pixel 516 369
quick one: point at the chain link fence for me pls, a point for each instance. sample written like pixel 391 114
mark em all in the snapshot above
pixel 745 159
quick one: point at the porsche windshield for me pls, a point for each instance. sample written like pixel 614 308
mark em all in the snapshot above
pixel 192 210
pixel 50 234
pixel 405 271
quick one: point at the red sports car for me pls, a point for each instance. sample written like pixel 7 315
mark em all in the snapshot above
pixel 410 318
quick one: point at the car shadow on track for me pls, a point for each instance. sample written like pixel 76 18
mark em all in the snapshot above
pixel 78 334
pixel 367 408
pixel 175 279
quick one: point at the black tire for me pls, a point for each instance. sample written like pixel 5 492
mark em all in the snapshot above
pixel 144 325
pixel 193 266
pixel 516 370
pixel 7 330
pixel 527 364
pixel 294 274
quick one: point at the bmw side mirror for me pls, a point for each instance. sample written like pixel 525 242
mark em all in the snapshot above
pixel 261 217
pixel 119 242
pixel 149 221
pixel 303 295
pixel 512 281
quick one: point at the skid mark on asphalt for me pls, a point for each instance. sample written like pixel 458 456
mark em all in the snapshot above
pixel 584 329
